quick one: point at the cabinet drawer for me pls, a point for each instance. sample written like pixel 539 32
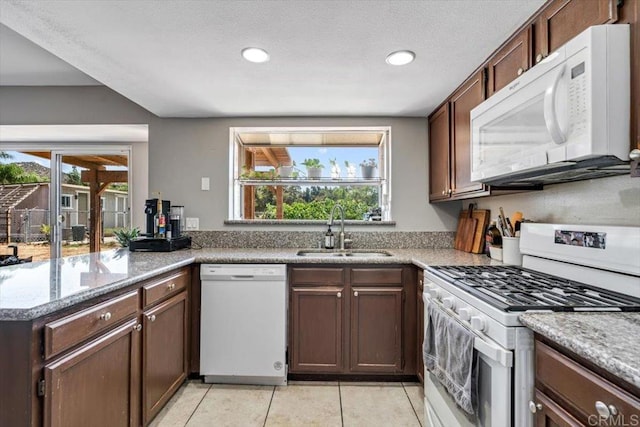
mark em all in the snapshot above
pixel 164 287
pixel 579 386
pixel 317 276
pixel 373 276
pixel 71 330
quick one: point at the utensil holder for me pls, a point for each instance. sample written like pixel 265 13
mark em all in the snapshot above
pixel 511 251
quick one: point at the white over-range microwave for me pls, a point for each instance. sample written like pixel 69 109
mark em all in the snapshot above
pixel 565 119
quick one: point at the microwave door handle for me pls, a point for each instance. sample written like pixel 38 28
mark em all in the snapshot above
pixel 493 352
pixel 550 114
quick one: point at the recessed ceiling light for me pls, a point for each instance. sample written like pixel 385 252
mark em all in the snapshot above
pixel 401 57
pixel 255 54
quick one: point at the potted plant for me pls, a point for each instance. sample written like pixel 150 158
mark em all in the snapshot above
pixel 285 171
pixel 368 168
pixel 314 168
pixel 351 169
pixel 335 169
pixel 124 236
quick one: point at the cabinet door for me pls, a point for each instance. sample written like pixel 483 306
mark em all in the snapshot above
pixel 509 62
pixel 316 329
pixel 439 185
pixel 376 329
pixel 470 95
pixel 164 360
pixel 98 384
pixel 551 414
pixel 420 322
pixel 562 20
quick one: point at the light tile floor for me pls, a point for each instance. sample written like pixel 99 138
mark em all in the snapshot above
pixel 297 404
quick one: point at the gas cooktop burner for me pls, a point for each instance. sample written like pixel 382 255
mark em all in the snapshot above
pixel 519 289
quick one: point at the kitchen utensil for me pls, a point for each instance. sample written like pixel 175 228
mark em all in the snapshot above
pixel 483 216
pixel 511 251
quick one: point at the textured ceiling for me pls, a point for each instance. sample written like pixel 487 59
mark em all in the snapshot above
pixel 182 58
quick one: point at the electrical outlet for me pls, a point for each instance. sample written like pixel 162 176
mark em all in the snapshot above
pixel 192 223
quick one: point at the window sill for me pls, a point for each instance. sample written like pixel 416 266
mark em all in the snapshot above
pixel 305 222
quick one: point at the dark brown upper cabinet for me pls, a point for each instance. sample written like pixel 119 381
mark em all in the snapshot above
pixel 509 62
pixel 465 99
pixel 561 20
pixel 439 143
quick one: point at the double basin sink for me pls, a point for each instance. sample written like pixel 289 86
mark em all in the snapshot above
pixel 340 254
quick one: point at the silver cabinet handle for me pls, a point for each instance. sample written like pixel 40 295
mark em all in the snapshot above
pixel 339 294
pixel 634 154
pixel 171 286
pixel 539 57
pixel 152 318
pixel 613 410
pixel 444 192
pixel 602 409
pixel 355 293
pixel 449 191
pixel 137 327
pixel 105 316
pixel 534 407
pixel 520 71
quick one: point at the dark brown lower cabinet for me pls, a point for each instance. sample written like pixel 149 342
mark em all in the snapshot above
pixel 420 328
pixel 316 329
pixel 376 329
pixel 97 384
pixel 352 320
pixel 164 360
pixel 551 414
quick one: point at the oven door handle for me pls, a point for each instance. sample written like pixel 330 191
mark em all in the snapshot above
pixel 493 352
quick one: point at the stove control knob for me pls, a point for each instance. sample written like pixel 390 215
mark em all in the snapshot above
pixel 434 293
pixel 478 323
pixel 465 313
pixel 449 302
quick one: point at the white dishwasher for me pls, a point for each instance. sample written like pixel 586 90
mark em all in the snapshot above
pixel 243 323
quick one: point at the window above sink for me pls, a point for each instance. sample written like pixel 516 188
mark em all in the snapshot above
pixel 297 174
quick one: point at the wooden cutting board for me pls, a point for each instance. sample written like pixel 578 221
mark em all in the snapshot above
pixel 466 231
pixel 482 216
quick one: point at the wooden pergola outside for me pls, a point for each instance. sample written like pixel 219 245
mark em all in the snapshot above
pixel 264 156
pixel 98 178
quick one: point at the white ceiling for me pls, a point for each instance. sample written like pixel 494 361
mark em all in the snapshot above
pixel 182 58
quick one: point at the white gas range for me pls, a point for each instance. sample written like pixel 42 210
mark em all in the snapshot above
pixel 565 268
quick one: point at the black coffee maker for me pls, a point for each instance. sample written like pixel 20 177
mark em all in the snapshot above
pixel 151 209
pixel 147 242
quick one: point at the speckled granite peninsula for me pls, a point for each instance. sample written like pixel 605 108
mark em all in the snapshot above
pixel 32 290
pixel 609 340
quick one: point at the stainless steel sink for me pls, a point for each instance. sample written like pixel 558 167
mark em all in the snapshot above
pixel 352 254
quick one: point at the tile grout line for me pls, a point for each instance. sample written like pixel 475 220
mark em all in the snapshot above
pixel 198 405
pixel 269 407
pixel 411 403
pixel 340 399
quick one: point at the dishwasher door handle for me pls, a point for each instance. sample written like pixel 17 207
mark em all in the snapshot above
pixel 242 277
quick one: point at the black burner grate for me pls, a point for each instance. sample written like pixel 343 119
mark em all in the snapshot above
pixel 518 289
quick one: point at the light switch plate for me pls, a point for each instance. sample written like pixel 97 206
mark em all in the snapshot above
pixel 192 223
pixel 204 186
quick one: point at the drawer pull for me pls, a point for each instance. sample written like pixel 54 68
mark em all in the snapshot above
pixel 152 318
pixel 105 316
pixel 171 286
pixel 539 57
pixel 520 71
pixel 339 294
pixel 605 411
pixel 355 294
pixel 534 407
pixel 138 327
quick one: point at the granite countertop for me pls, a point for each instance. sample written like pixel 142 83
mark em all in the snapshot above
pixel 602 338
pixel 32 290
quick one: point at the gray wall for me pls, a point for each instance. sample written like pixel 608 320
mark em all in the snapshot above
pixel 181 151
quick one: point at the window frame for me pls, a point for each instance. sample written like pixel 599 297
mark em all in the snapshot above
pixel 384 169
pixel 66 196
